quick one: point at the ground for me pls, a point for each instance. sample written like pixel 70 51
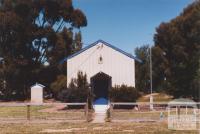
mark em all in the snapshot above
pixel 87 128
pixel 56 119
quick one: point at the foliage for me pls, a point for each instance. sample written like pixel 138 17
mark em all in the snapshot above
pixel 123 93
pixel 59 85
pixel 77 91
pixel 175 56
pixel 142 69
pixel 35 35
pixel 178 42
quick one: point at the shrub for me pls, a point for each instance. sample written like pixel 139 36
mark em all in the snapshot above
pixel 123 93
pixel 58 85
pixel 77 91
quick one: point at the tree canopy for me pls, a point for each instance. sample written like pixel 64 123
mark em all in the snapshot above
pixel 175 56
pixel 179 39
pixel 34 36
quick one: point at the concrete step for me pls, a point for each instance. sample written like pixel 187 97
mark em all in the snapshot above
pixel 100 108
pixel 99 118
pixel 100 113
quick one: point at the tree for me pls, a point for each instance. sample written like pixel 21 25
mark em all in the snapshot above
pixel 179 40
pixel 41 34
pixel 142 69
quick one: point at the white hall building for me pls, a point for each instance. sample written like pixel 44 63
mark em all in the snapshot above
pixel 104 64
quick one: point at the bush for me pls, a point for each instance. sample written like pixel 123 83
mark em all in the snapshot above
pixel 77 91
pixel 123 93
pixel 58 85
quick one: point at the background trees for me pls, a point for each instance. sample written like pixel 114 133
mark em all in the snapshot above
pixel 176 55
pixel 142 69
pixel 179 39
pixel 34 36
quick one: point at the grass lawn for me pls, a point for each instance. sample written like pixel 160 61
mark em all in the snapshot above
pixel 39 112
pixel 128 114
pixel 51 126
pixel 108 128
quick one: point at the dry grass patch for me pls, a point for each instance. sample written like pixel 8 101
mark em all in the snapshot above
pixel 130 114
pixel 90 128
pixel 40 112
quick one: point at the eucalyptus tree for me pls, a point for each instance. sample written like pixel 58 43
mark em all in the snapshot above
pixel 179 40
pixel 35 33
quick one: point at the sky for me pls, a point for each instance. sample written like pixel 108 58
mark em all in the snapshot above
pixel 126 24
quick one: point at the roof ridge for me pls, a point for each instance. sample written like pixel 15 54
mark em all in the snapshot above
pixel 105 43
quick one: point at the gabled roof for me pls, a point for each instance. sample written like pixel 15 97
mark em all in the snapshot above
pixel 182 102
pixel 37 85
pixel 105 43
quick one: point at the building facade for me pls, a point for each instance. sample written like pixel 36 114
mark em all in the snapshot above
pixel 105 66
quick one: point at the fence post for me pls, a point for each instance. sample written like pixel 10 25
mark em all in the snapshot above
pixel 86 110
pixel 111 109
pixel 28 112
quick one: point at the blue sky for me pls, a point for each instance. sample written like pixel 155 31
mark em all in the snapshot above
pixel 126 24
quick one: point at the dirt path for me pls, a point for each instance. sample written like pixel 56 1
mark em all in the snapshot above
pixel 40 121
pixel 54 109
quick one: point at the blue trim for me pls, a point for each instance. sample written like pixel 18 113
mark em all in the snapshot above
pixel 105 43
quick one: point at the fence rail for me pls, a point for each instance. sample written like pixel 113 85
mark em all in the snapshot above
pixel 60 111
pixel 148 103
pixel 43 111
pixel 41 104
pixel 141 112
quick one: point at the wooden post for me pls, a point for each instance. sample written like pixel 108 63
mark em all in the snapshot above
pixel 28 112
pixel 111 109
pixel 186 110
pixel 86 110
pixel 179 111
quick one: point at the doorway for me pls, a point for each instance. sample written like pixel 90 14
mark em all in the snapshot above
pixel 101 83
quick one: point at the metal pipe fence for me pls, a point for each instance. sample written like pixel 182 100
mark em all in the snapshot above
pixel 45 111
pixel 139 111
